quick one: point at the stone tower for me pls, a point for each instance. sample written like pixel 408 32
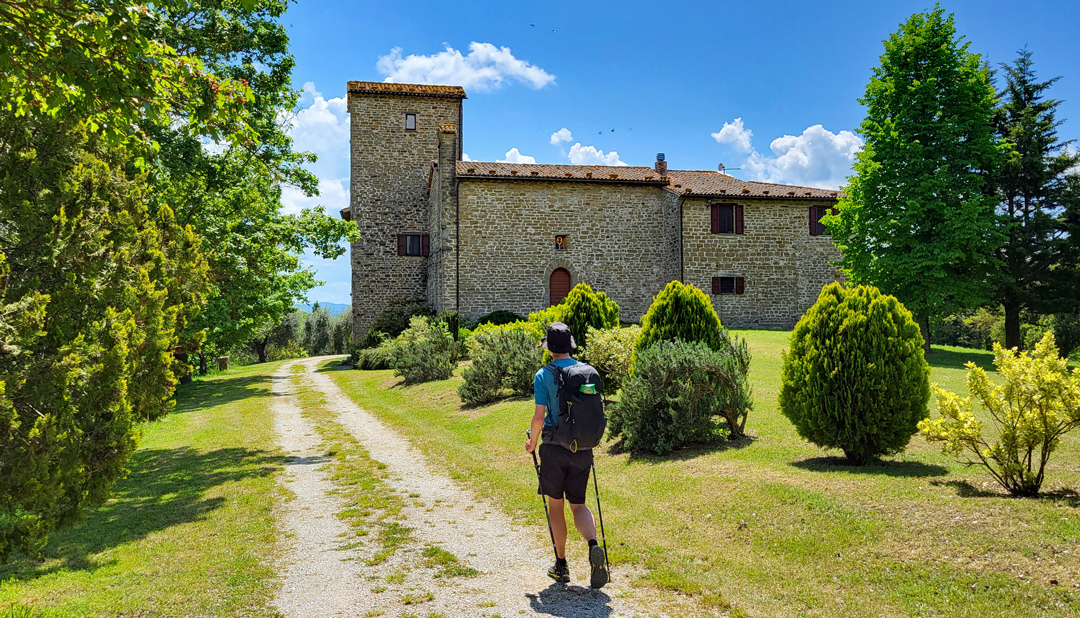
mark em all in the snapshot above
pixel 399 192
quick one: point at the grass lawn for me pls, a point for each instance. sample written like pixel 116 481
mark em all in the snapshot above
pixel 774 526
pixel 189 532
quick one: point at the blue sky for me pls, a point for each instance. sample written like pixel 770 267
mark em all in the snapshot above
pixel 770 87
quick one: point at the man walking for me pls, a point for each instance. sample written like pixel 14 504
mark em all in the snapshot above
pixel 564 475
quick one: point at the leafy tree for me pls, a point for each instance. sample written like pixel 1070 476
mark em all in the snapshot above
pixel 855 377
pixel 286 333
pixel 583 308
pixel 684 313
pixel 1037 269
pixel 1038 404
pixel 317 331
pixel 918 218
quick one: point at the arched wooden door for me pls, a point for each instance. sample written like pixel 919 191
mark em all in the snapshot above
pixel 559 285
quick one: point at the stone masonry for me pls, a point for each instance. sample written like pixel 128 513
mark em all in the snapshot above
pixel 492 226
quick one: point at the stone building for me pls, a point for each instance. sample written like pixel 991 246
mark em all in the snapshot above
pixel 474 237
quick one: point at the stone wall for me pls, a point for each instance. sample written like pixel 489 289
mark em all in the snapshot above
pixel 389 195
pixel 621 239
pixel 783 265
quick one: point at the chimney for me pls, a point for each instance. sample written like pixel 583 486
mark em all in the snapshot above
pixel 661 164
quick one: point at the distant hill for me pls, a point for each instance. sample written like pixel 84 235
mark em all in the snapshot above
pixel 333 308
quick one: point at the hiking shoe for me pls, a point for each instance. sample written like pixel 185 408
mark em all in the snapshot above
pixel 559 573
pixel 599 567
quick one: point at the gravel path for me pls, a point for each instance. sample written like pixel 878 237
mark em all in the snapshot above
pixel 322 580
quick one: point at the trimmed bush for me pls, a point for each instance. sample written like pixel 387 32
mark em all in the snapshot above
pixel 395 320
pixel 855 377
pixel 583 308
pixel 610 351
pixel 500 317
pixel 503 358
pixel 423 352
pixel 677 391
pixel 681 313
pixel 1038 403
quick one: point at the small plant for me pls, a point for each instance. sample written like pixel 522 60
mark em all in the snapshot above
pixel 503 357
pixel 681 312
pixel 423 352
pixel 499 317
pixel 855 377
pixel 371 358
pixel 582 308
pixel 395 319
pixel 610 351
pixel 676 391
pixel 1039 403
pixel 452 319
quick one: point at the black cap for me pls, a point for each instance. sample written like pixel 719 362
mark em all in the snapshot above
pixel 559 340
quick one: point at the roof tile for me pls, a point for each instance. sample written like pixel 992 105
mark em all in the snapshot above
pixel 594 173
pixel 416 90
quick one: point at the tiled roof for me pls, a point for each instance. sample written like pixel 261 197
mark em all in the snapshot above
pixel 683 182
pixel 715 184
pixel 416 90
pixel 585 173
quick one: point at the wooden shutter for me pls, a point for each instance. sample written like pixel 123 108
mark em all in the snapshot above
pixel 715 219
pixel 424 244
pixel 716 285
pixel 813 221
pixel 738 218
pixel 559 285
pixel 740 285
pixel 402 245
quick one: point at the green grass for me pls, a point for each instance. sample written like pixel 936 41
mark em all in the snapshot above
pixel 189 532
pixel 774 526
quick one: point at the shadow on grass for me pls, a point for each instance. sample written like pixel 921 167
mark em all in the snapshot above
pixel 951 359
pixel 206 393
pixel 882 467
pixel 689 452
pixel 337 365
pixel 964 489
pixel 166 487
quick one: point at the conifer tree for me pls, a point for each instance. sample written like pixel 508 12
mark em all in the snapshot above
pixel 1038 271
pixel 918 217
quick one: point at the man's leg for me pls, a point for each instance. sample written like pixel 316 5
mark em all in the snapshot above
pixel 558 525
pixel 583 521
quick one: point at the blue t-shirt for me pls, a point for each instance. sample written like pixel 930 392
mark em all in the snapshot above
pixel 546 392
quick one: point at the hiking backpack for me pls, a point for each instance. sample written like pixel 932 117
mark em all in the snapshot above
pixel 580 423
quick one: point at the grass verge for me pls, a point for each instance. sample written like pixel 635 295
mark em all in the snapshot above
pixel 774 526
pixel 189 532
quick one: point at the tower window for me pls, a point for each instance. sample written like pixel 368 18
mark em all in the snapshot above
pixel 412 244
pixel 410 122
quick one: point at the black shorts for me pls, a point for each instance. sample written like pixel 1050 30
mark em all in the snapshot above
pixel 563 473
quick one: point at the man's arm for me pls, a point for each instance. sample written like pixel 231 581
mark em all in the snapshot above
pixel 536 427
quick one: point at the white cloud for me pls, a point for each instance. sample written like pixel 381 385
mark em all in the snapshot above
pixel 817 158
pixel 484 68
pixel 333 195
pixel 589 155
pixel 562 135
pixel 513 156
pixel 322 128
pixel 465 157
pixel 735 134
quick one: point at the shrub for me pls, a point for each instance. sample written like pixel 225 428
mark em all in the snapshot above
pixel 423 352
pixel 582 308
pixel 676 391
pixel 681 312
pixel 395 319
pixel 610 351
pixel 503 357
pixel 1038 403
pixel 371 358
pixel 452 319
pixel 855 377
pixel 500 317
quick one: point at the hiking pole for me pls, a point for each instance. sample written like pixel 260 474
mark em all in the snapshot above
pixel 600 513
pixel 543 498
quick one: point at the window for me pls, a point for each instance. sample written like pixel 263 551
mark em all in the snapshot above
pixel 817 228
pixel 728 285
pixel 410 122
pixel 412 244
pixel 727 219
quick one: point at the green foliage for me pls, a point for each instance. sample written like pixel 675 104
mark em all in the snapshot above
pixel 317 336
pixel 917 219
pixel 1037 270
pixel 423 352
pixel 96 290
pixel 503 357
pixel 371 358
pixel 395 319
pixel 611 351
pixel 582 308
pixel 499 317
pixel 1038 404
pixel 684 313
pixel 676 391
pixel 855 377
pixel 452 319
pixel 970 329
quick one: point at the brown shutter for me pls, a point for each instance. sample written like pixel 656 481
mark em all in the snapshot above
pixel 813 221
pixel 715 219
pixel 716 285
pixel 424 244
pixel 401 245
pixel 740 285
pixel 738 218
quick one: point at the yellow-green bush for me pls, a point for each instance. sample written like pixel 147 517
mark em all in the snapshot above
pixel 610 351
pixel 681 313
